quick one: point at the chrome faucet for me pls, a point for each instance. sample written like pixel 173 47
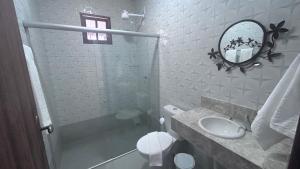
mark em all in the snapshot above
pixel 248 121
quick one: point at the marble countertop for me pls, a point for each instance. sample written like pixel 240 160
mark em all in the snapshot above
pixel 245 151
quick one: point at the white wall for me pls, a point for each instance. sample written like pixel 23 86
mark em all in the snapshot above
pixel 194 27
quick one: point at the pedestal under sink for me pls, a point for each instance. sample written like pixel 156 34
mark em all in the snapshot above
pixel 222 127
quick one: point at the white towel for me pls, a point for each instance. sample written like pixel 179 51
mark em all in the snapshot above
pixel 231 55
pixel 246 54
pixel 155 150
pixel 39 97
pixel 285 118
pixel 260 127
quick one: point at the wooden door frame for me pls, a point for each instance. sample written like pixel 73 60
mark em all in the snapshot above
pixel 21 140
pixel 294 162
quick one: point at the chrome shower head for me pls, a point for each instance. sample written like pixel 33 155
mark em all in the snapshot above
pixel 125 14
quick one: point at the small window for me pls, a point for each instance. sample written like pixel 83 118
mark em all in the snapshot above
pixel 96 21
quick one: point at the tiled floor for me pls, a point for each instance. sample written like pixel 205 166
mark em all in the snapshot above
pixel 84 153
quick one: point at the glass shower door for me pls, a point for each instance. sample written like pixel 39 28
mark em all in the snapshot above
pixel 103 98
pixel 129 69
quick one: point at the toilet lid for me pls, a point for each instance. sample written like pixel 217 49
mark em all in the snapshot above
pixel 147 145
pixel 184 161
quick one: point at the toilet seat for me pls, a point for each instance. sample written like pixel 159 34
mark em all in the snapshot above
pixel 165 140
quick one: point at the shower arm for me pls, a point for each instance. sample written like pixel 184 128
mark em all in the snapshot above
pixel 136 15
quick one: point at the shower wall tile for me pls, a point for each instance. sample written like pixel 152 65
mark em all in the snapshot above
pixel 192 27
pixel 85 77
pixel 75 88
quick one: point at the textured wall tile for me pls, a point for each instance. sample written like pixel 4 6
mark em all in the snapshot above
pixel 194 27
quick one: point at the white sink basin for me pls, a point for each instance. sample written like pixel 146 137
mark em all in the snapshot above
pixel 221 127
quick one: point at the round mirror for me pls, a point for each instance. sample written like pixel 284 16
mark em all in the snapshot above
pixel 242 41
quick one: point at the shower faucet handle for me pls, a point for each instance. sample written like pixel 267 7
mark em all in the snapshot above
pixel 248 121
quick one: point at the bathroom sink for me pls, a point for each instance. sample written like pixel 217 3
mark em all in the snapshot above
pixel 222 127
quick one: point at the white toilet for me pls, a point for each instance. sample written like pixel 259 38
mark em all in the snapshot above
pixel 181 160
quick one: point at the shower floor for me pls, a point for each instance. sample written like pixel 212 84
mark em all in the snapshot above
pixel 99 147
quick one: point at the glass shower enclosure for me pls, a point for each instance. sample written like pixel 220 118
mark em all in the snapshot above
pixel 102 98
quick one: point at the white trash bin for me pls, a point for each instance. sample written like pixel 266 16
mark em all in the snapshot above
pixel 184 161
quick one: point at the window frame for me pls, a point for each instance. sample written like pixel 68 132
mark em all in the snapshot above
pixel 96 18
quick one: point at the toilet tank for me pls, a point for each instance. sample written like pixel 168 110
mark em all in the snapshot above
pixel 169 111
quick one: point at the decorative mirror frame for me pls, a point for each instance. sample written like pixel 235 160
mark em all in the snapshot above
pixel 265 52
